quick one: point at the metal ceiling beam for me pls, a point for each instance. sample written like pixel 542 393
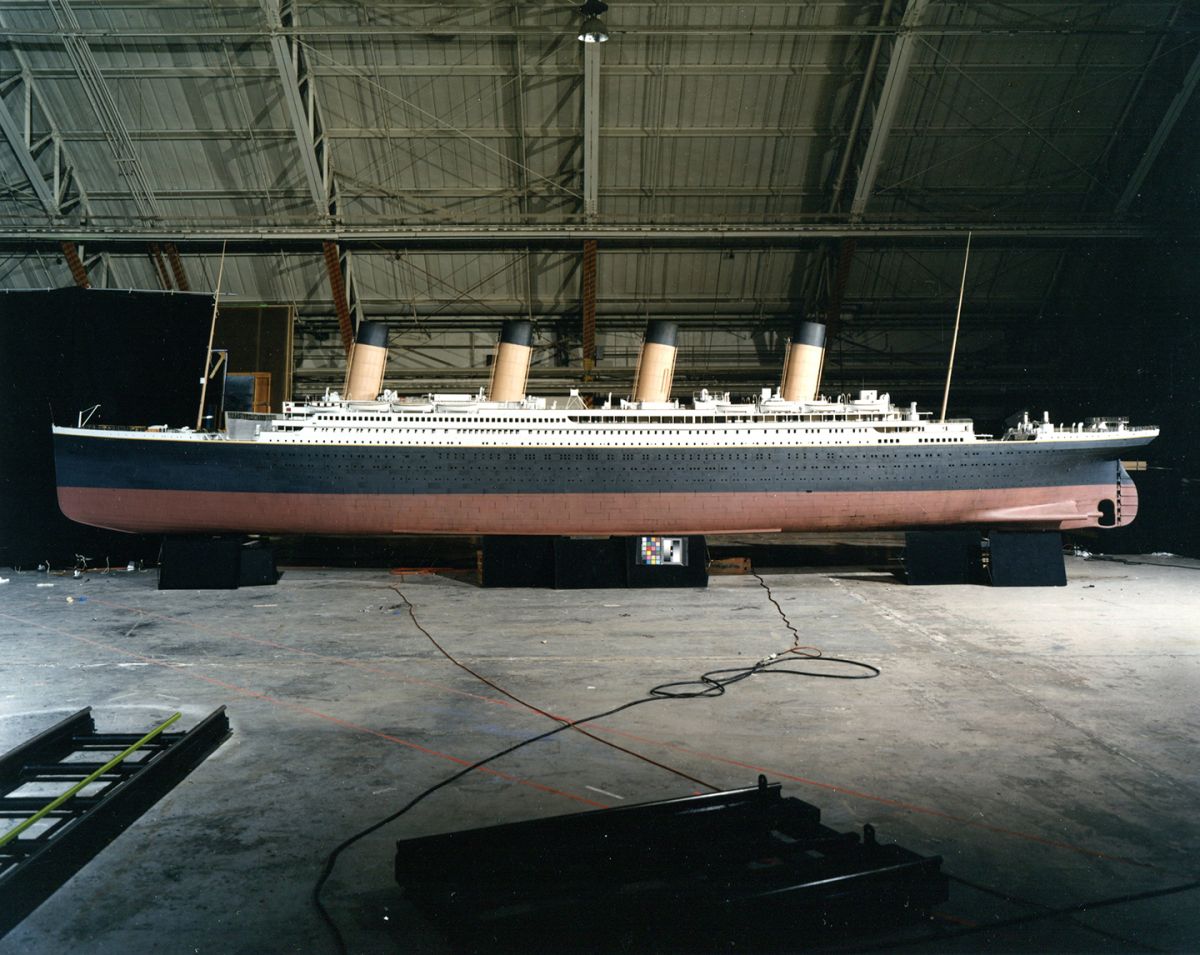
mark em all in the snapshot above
pixel 765 131
pixel 302 107
pixel 18 133
pixel 568 72
pixel 1115 133
pixel 308 125
pixel 571 133
pixel 99 268
pixel 38 145
pixel 887 106
pixel 91 79
pixel 518 119
pixel 860 107
pixel 556 216
pixel 523 157
pixel 39 138
pixel 406 6
pixel 591 128
pixel 1159 139
pixel 563 71
pixel 353 301
pixel 828 281
pixel 625 317
pixel 566 236
pixel 200 34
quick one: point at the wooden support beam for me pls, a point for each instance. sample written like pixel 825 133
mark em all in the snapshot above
pixel 75 264
pixel 589 307
pixel 181 279
pixel 337 286
pixel 160 266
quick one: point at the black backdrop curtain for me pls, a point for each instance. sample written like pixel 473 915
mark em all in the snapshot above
pixel 139 355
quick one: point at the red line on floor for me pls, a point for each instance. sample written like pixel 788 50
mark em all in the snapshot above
pixel 245 691
pixel 597 727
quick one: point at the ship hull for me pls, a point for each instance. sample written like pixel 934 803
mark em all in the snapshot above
pixel 155 485
pixel 180 512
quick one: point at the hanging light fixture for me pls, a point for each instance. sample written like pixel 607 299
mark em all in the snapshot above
pixel 593 30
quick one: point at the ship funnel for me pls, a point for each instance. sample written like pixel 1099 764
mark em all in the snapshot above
pixel 656 364
pixel 368 359
pixel 510 367
pixel 802 363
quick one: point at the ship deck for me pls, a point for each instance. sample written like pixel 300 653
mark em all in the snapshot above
pixel 1042 741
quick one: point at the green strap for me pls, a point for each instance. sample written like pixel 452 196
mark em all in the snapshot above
pixel 58 801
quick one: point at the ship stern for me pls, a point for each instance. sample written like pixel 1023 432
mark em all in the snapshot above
pixel 1125 501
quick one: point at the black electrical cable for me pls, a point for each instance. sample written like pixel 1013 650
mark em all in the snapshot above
pixel 711 684
pixel 1139 563
pixel 331 859
pixel 1031 917
pixel 782 616
pixel 1018 900
pixel 537 709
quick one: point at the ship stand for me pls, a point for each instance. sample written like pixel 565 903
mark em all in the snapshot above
pixel 593 563
pixel 194 562
pixel 1002 558
pixel 70 791
pixel 741 870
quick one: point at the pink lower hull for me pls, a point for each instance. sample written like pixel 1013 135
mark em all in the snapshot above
pixel 178 512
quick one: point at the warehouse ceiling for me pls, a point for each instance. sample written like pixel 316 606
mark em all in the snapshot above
pixel 443 165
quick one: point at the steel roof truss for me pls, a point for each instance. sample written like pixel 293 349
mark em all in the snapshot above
pixel 37 145
pixel 1158 140
pixel 300 99
pixel 887 106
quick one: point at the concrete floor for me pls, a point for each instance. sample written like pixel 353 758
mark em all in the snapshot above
pixel 1043 741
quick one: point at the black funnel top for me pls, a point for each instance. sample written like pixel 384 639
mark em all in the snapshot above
pixel 516 332
pixel 808 333
pixel 372 333
pixel 661 333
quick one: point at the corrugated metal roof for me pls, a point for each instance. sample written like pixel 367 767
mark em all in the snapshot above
pixel 712 115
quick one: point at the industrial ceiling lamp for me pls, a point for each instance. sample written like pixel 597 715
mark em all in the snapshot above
pixel 593 31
